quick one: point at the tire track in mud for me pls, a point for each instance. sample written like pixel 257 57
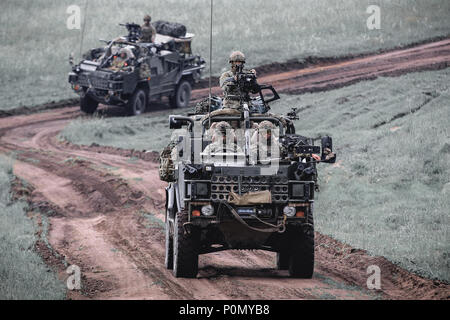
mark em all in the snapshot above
pixel 108 239
pixel 109 210
pixel 226 275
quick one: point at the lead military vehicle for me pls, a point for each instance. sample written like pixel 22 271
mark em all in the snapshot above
pixel 239 197
pixel 151 71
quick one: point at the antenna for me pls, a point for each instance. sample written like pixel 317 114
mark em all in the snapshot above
pixel 84 27
pixel 210 62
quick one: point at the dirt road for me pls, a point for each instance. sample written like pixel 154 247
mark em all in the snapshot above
pixel 107 210
pixel 332 75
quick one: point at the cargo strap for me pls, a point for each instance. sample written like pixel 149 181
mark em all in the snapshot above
pixel 280 228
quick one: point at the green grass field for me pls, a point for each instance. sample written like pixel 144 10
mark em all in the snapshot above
pixel 23 274
pixel 389 191
pixel 36 42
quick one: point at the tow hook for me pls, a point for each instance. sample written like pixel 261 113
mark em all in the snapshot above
pixel 188 226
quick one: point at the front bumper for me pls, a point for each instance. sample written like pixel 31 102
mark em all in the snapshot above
pixel 252 215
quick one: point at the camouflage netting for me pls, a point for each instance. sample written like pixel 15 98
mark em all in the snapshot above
pixel 166 165
pixel 173 29
pixel 203 106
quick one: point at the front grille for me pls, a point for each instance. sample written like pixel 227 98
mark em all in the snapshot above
pixel 83 80
pixel 221 186
pixel 97 83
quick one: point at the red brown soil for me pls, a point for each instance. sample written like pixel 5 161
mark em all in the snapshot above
pixel 106 221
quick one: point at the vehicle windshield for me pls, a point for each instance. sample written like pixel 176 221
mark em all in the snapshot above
pixel 116 50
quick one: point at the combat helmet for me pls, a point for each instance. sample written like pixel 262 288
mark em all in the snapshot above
pixel 147 17
pixel 220 129
pixel 267 126
pixel 123 50
pixel 237 56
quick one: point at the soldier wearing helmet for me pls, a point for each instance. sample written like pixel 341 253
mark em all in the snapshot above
pixel 232 93
pixel 264 142
pixel 223 140
pixel 148 32
pixel 120 61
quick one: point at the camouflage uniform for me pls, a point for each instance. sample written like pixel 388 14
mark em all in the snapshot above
pixel 119 63
pixel 232 93
pixel 144 71
pixel 260 142
pixel 148 32
pixel 219 132
pixel 166 165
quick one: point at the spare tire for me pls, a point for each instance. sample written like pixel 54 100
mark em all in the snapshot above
pixel 173 29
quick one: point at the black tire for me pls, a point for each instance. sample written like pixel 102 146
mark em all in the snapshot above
pixel 283 260
pixel 185 249
pixel 138 103
pixel 88 105
pixel 182 95
pixel 301 262
pixel 169 246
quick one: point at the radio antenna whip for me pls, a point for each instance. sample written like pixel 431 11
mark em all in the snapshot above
pixel 84 27
pixel 210 62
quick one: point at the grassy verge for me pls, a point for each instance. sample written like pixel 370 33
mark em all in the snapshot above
pixel 147 132
pixel 388 193
pixel 36 42
pixel 23 274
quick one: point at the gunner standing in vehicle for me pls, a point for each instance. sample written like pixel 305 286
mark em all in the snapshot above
pixel 148 32
pixel 232 93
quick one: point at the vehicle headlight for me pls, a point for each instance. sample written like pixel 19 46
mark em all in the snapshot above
pixel 208 210
pixel 298 190
pixel 202 189
pixel 289 211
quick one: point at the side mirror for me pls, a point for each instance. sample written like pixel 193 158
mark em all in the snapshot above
pixel 327 150
pixel 177 122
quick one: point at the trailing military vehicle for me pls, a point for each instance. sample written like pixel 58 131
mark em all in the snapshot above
pixel 130 73
pixel 241 179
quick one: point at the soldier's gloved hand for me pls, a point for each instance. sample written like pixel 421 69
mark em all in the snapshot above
pixel 253 71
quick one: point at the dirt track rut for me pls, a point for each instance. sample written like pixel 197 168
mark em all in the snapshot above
pixel 108 211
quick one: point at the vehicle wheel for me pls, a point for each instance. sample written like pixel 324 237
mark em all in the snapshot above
pixel 301 262
pixel 138 103
pixel 283 260
pixel 185 249
pixel 169 246
pixel 182 95
pixel 88 105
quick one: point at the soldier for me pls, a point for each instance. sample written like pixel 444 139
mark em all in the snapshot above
pixel 220 143
pixel 148 32
pixel 120 62
pixel 228 80
pixel 264 142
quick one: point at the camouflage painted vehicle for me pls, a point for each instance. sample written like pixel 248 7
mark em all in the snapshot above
pixel 240 197
pixel 148 72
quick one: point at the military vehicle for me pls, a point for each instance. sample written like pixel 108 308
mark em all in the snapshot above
pixel 239 197
pixel 151 71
